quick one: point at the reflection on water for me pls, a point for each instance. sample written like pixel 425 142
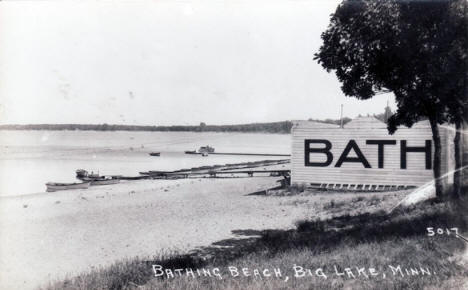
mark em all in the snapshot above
pixel 29 159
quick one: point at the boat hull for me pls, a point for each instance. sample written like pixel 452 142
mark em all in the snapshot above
pixel 134 177
pixel 51 186
pixel 105 181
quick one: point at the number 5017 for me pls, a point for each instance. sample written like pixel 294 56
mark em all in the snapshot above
pixel 441 231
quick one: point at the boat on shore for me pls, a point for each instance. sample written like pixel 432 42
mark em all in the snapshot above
pixel 131 177
pixel 95 179
pixel 155 154
pixel 83 174
pixel 104 181
pixel 56 186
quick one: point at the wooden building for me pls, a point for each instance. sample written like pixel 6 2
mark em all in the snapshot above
pixel 363 155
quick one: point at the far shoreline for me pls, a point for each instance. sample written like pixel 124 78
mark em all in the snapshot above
pixel 155 131
pixel 278 127
pixel 267 127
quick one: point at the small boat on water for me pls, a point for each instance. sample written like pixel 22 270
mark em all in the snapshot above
pixel 206 149
pixel 56 186
pixel 155 153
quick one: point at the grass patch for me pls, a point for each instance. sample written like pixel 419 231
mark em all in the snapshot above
pixel 334 204
pixel 297 188
pixel 366 240
pixel 295 202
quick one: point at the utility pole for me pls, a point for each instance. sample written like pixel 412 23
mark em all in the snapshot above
pixel 386 113
pixel 341 117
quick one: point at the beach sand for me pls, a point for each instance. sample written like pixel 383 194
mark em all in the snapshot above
pixel 47 236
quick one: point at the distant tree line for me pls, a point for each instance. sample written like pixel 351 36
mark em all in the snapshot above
pixel 274 127
pixel 283 127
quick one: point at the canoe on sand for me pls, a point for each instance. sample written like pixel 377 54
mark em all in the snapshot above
pixel 55 186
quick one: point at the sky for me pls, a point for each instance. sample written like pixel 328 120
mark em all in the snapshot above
pixel 168 62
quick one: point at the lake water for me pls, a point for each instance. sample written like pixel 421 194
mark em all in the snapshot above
pixel 29 159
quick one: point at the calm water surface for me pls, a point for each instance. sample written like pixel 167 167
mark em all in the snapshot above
pixel 29 159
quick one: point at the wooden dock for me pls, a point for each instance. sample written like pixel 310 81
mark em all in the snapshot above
pixel 250 173
pixel 227 168
pixel 249 168
pixel 216 170
pixel 213 174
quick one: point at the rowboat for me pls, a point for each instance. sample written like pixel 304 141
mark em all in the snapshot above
pixel 55 186
pixel 101 180
pixel 155 153
pixel 105 181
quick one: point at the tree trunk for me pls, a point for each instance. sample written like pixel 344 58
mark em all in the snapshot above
pixel 437 158
pixel 457 175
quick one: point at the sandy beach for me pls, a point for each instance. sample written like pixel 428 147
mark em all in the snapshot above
pixel 48 236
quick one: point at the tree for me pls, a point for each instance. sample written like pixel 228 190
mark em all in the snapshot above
pixel 456 88
pixel 202 126
pixel 404 47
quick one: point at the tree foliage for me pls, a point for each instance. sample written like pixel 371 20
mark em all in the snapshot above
pixel 415 49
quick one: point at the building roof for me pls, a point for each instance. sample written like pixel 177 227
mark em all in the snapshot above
pixel 365 123
pixel 357 123
pixel 314 124
pixel 421 124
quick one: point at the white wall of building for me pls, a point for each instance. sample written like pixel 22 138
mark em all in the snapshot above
pixel 362 131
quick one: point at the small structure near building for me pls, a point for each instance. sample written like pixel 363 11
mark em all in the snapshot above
pixel 364 156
